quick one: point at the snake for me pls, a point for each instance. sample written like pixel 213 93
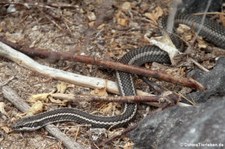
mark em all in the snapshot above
pixel 209 30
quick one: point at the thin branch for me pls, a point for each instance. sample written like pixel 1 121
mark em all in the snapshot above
pixel 198 65
pixel 126 99
pixel 107 141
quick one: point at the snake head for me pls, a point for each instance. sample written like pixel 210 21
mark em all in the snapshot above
pixel 26 124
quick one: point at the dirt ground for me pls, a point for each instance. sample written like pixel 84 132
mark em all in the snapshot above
pixel 103 29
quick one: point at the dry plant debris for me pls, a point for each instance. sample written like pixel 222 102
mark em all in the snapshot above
pixel 96 28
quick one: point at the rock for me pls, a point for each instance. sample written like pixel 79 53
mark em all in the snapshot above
pixel 182 127
pixel 194 6
pixel 214 82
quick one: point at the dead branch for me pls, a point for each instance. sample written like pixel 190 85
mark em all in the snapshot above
pixel 79 98
pixel 13 97
pixel 162 99
pixel 188 82
pixel 107 141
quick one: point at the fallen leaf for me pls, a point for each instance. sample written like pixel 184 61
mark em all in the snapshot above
pixel 122 19
pixel 107 108
pixel 61 87
pixel 37 97
pixel 201 43
pixel 6 129
pixel 128 145
pixel 37 107
pixel 99 92
pixel 58 101
pixel 155 14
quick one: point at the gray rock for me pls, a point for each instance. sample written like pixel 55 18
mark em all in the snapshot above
pixel 202 126
pixel 214 81
pixel 178 127
pixel 193 6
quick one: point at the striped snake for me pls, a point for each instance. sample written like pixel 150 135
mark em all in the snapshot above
pixel 210 30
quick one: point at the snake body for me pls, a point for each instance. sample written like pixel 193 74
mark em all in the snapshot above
pixel 210 30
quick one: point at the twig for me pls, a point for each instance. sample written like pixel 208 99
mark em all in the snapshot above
pixel 166 98
pixel 126 99
pixel 45 9
pixel 159 89
pixel 6 82
pixel 198 65
pixel 52 19
pixel 107 64
pixel 12 96
pixel 101 144
pixel 209 13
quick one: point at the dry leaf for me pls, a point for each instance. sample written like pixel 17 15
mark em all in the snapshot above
pixel 91 24
pixel 201 43
pixel 108 108
pixel 35 108
pixel 182 28
pixel 37 97
pixel 58 101
pixel 158 12
pixel 6 129
pixel 61 87
pixel 185 31
pixel 129 145
pixel 123 22
pixel 115 132
pixel 155 14
pixel 121 19
pixel 149 15
pixel 99 92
